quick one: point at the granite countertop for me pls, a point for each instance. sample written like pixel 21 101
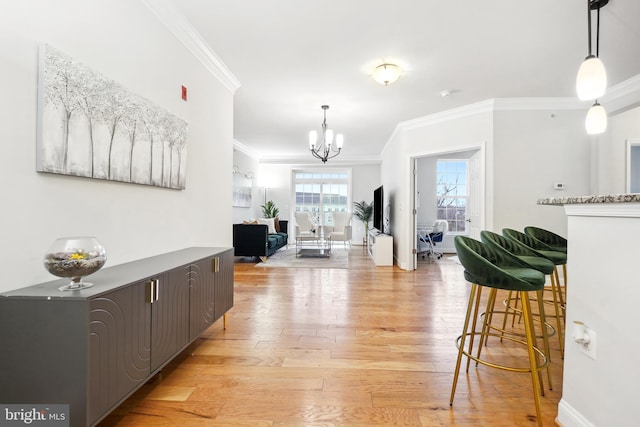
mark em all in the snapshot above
pixel 574 200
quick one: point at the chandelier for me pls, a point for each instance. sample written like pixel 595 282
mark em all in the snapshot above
pixel 326 149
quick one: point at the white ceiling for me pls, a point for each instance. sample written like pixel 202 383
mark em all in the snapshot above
pixel 292 56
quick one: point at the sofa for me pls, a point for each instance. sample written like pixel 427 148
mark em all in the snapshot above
pixel 255 240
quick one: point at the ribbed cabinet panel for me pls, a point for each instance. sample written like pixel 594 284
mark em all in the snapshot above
pixel 170 316
pixel 202 282
pixel 224 284
pixel 119 347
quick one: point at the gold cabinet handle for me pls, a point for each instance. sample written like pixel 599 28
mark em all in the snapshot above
pixel 150 291
pixel 153 290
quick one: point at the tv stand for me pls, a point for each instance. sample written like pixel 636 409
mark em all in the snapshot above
pixel 380 247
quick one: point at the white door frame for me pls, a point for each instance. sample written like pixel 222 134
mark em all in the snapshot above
pixel 414 194
pixel 631 142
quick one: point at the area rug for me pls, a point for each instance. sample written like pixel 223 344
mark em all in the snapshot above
pixel 287 258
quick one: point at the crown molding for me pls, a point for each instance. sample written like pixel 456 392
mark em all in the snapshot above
pixel 312 161
pixel 239 146
pixel 182 29
pixel 618 97
pixel 445 116
pixel 441 117
pixel 539 104
pixel 623 95
pixel 297 159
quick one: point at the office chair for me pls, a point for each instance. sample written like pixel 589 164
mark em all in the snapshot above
pixel 440 228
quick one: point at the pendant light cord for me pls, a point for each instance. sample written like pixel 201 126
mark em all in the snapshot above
pixel 589 24
pixel 598 35
pixel 597 40
pixel 589 3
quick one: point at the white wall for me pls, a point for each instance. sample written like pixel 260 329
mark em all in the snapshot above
pixel 365 179
pixel 427 175
pixel 527 149
pixel 395 175
pixel 612 150
pixel 124 41
pixel 247 164
pixel 602 293
pixel 278 179
pixel 424 138
pixel 532 150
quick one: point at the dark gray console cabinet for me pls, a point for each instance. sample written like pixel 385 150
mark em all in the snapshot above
pixel 93 348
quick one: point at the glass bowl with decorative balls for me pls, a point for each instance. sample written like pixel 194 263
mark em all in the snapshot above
pixel 75 258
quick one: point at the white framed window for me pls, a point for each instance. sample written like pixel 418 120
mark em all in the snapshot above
pixel 453 193
pixel 322 193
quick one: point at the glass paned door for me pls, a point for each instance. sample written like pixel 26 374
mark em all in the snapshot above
pixel 322 194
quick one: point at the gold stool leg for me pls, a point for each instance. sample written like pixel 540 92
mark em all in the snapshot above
pixel 473 324
pixel 563 298
pixel 507 309
pixel 533 358
pixel 558 310
pixel 472 297
pixel 557 276
pixel 486 324
pixel 545 338
pixel 515 310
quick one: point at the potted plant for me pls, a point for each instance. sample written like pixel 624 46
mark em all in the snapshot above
pixel 364 211
pixel 270 210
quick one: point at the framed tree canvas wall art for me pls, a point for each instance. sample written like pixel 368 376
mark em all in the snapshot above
pixel 91 126
pixel 242 187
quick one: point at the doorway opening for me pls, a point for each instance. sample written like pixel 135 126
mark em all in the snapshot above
pixel 448 186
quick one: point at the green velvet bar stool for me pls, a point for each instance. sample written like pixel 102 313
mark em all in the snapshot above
pixel 533 260
pixel 553 241
pixel 557 257
pixel 549 238
pixel 485 267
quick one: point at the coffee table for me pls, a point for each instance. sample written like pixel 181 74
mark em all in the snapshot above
pixel 313 245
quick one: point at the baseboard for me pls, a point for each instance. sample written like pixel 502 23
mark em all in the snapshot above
pixel 570 416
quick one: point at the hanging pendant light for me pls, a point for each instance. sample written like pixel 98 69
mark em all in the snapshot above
pixel 592 79
pixel 326 149
pixel 591 82
pixel 596 121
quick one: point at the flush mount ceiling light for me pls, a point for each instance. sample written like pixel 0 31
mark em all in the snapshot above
pixel 386 74
pixel 591 82
pixel 325 150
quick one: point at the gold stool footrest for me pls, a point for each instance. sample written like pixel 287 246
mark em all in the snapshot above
pixel 510 337
pixel 551 330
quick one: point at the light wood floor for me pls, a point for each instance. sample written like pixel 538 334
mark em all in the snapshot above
pixel 365 346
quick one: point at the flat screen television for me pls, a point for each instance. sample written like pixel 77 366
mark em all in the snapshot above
pixel 378 209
